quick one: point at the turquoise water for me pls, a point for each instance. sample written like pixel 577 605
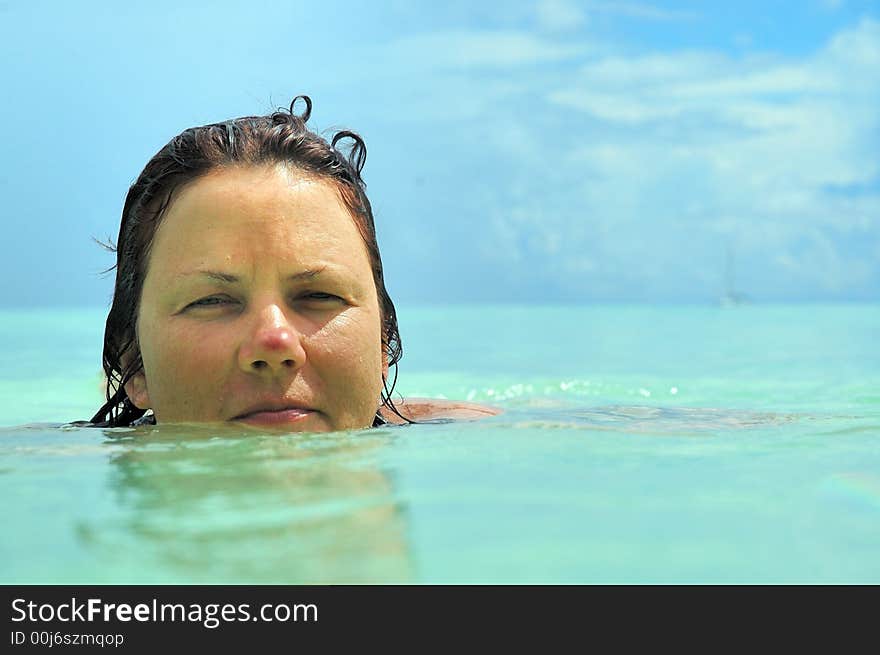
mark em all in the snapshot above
pixel 638 444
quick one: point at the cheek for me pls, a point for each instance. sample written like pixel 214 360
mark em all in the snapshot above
pixel 349 353
pixel 179 363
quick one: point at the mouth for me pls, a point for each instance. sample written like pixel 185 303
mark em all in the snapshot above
pixel 281 417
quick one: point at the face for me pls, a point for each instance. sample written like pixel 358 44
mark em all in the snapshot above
pixel 259 307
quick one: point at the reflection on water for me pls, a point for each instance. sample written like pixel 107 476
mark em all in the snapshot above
pixel 545 492
pixel 652 420
pixel 237 507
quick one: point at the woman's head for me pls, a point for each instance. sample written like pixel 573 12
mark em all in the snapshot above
pixel 248 278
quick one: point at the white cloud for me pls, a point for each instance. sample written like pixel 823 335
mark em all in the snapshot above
pixel 639 10
pixel 637 171
pixel 722 149
pixel 859 47
pixel 466 50
pixel 802 120
pixel 559 15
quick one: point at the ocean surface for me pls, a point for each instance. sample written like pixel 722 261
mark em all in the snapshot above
pixel 638 444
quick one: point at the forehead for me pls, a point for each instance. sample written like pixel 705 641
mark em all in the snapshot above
pixel 265 213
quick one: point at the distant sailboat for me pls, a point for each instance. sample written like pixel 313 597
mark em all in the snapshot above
pixel 731 296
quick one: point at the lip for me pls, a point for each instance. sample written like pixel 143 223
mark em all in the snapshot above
pixel 274 416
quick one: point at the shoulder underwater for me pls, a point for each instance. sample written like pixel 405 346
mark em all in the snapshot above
pixel 426 409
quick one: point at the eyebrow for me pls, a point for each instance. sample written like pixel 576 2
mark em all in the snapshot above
pixel 227 278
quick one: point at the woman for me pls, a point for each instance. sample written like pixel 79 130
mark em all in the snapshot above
pixel 249 287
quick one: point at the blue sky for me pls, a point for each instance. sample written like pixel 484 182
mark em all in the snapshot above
pixel 541 151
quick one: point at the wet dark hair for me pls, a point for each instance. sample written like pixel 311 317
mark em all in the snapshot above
pixel 278 138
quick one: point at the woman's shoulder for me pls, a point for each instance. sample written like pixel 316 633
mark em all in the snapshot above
pixel 428 409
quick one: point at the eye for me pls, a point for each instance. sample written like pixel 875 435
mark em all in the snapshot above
pixel 318 300
pixel 211 301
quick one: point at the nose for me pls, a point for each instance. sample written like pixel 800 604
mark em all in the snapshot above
pixel 273 345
